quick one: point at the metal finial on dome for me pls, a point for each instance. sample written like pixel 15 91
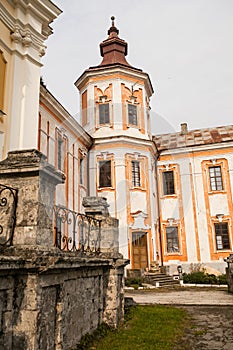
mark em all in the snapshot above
pixel 113 30
pixel 113 18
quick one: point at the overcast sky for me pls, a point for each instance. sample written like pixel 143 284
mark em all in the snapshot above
pixel 186 46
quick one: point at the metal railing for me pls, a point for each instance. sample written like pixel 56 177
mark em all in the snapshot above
pixel 75 232
pixel 8 205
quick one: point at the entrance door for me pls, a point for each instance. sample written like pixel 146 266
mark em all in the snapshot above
pixel 139 247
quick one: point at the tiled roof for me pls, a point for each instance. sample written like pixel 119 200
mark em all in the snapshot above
pixel 194 138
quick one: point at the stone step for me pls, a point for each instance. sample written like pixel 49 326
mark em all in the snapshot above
pixel 162 279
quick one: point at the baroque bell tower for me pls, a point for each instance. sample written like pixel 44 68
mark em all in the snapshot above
pixel 115 111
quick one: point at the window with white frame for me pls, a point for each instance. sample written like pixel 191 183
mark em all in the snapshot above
pixel 105 178
pixel 172 239
pixel 104 113
pixel 132 114
pixel 222 235
pixel 215 174
pixel 136 178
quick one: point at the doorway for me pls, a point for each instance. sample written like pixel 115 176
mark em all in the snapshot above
pixel 139 250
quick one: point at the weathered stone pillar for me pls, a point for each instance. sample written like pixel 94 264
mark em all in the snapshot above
pixel 35 180
pixel 113 311
pixel 229 273
pixel 114 295
pixel 98 208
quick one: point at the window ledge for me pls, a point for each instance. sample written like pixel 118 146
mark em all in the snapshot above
pixel 217 192
pixel 106 188
pixel 169 196
pixel 173 254
pixel 138 188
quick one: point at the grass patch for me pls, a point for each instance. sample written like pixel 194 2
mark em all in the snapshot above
pixel 146 328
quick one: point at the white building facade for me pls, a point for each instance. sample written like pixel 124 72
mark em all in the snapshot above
pixel 171 193
pixel 115 112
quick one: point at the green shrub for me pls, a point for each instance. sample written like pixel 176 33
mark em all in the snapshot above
pixel 133 282
pixel 201 277
pixel 222 279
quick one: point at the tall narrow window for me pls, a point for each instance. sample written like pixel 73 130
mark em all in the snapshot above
pixel 172 239
pixel 136 173
pixel 60 153
pixel 222 236
pixel 132 114
pixel 215 178
pixel 105 173
pixel 168 183
pixel 81 171
pixel 104 115
pixel 2 81
pixel 84 108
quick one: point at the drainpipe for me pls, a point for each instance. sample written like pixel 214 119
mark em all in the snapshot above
pixel 158 206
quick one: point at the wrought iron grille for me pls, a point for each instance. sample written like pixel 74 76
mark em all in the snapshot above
pixel 8 205
pixel 76 232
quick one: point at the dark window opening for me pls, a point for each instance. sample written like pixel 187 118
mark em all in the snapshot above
pixel 104 116
pixel 105 173
pixel 168 183
pixel 222 236
pixel 136 173
pixel 132 114
pixel 172 239
pixel 138 239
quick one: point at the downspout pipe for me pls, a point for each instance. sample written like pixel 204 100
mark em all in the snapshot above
pixel 158 206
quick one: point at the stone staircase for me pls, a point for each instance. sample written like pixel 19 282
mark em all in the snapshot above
pixel 160 279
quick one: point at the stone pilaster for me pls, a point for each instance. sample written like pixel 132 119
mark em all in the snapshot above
pixel 35 180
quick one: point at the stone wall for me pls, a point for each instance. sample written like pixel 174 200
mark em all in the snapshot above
pixel 50 301
pixel 50 298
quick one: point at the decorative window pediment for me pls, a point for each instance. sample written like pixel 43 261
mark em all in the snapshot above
pixel 139 221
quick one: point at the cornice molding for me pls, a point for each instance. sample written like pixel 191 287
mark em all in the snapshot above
pixel 25 34
pixel 110 70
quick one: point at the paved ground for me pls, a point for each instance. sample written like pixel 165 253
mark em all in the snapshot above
pixel 182 296
pixel 210 312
